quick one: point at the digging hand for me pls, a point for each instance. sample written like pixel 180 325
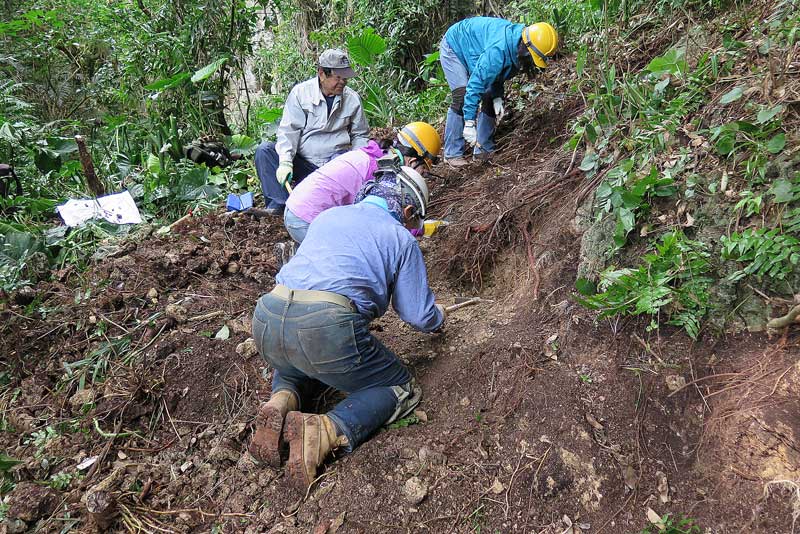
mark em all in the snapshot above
pixel 470 132
pixel 284 173
pixel 499 110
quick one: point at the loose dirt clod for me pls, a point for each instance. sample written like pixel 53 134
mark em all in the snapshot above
pixel 415 490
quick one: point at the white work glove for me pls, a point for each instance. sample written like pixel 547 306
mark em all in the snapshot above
pixel 284 173
pixel 499 110
pixel 470 133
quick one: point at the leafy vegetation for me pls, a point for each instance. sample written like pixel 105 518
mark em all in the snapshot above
pixel 672 525
pixel 654 140
pixel 673 277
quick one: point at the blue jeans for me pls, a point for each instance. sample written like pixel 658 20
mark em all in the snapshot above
pixel 320 341
pixel 266 160
pixel 296 226
pixel 457 76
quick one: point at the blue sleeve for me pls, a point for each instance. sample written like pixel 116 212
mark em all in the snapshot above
pixel 412 298
pixel 488 68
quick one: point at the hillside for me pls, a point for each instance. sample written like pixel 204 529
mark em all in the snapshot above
pixel 633 235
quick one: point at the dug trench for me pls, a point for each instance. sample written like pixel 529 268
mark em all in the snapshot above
pixel 135 380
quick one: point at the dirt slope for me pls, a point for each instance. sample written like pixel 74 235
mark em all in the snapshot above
pixel 533 410
pixel 536 418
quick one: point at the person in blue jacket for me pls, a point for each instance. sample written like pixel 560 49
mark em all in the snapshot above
pixel 477 55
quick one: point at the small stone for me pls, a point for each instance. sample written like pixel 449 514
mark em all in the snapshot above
pixel 177 312
pixel 80 399
pixel 92 319
pixel 427 455
pixel 464 402
pixel 232 268
pixel 675 382
pixel 152 294
pixel 516 347
pixel 421 415
pixel 221 453
pixel 247 348
pixel 121 455
pixel 186 466
pixel 497 487
pixel 415 490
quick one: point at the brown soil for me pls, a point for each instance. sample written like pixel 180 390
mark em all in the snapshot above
pixel 536 416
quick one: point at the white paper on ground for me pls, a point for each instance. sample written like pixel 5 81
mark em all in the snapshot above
pixel 118 208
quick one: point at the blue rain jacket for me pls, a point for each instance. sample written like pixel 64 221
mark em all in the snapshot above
pixel 487 46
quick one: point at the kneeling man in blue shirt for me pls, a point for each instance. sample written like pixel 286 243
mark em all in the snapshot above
pixel 314 326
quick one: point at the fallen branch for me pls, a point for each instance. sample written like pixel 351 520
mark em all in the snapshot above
pixel 786 320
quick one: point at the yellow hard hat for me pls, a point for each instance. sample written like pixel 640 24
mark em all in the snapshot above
pixel 423 138
pixel 541 40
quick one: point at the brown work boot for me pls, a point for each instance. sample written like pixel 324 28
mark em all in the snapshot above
pixel 311 439
pixel 458 161
pixel 266 443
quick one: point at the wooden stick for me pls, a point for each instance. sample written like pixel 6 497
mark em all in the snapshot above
pixel 469 302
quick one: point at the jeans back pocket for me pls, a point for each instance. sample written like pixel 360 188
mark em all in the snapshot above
pixel 331 348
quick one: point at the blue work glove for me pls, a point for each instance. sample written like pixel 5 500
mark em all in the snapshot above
pixel 284 173
pixel 470 132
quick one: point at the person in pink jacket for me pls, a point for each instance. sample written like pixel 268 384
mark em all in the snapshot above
pixel 337 182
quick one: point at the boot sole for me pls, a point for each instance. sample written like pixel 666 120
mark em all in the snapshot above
pixel 266 443
pixel 294 432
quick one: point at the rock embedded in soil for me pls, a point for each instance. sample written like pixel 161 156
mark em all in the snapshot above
pixel 415 490
pixel 247 348
pixel 30 501
pixel 81 398
pixel 675 382
pixel 177 313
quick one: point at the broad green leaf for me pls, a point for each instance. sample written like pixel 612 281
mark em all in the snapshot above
pixel 168 83
pixel 7 462
pixel 208 70
pixel 62 146
pixel 7 133
pixel 243 145
pixel 223 333
pixel 726 143
pixel 589 162
pixel 153 164
pixel 431 58
pixel 767 114
pixel 671 62
pixel 777 143
pixel 783 190
pixel 585 287
pixel 732 96
pixel 365 47
pixel 580 61
pixel 269 114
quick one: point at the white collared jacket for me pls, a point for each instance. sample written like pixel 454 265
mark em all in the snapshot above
pixel 308 130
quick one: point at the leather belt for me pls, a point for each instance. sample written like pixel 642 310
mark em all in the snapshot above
pixel 311 296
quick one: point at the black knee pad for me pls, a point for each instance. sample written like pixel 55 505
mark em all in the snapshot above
pixel 487 105
pixel 458 100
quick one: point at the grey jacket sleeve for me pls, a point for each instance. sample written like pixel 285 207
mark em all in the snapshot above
pixel 359 128
pixel 290 129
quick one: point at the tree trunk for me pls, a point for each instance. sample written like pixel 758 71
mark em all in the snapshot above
pixel 92 182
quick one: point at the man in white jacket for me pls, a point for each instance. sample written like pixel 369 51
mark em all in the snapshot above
pixel 322 118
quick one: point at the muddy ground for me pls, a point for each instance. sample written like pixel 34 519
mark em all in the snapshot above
pixel 129 390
